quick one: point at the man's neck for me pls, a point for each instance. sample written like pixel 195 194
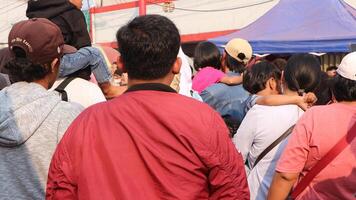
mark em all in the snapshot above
pixel 165 81
pixel 43 82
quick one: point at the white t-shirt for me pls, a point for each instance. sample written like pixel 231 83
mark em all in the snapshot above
pixel 82 92
pixel 261 126
pixel 185 84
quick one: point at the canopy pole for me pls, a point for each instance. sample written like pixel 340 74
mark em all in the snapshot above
pixel 142 7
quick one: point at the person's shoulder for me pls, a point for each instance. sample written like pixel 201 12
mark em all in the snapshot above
pixel 83 82
pixel 276 110
pixel 69 108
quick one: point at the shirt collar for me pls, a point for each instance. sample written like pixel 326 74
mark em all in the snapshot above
pixel 151 86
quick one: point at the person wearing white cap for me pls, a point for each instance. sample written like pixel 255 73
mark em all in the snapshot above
pixel 228 100
pixel 320 131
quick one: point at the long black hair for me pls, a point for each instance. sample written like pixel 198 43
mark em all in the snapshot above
pixel 302 73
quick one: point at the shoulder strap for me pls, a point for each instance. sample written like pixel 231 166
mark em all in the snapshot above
pixel 319 166
pixel 275 143
pixel 62 86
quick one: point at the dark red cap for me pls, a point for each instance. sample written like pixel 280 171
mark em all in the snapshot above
pixel 41 40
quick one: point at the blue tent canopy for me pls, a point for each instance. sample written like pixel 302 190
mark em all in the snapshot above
pixel 300 26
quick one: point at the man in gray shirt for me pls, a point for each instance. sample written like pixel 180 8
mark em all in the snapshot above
pixel 32 119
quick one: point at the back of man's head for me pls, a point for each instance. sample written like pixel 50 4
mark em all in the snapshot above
pixel 256 77
pixel 148 46
pixel 238 53
pixel 33 45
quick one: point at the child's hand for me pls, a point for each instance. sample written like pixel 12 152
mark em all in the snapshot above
pixel 310 98
pixel 307 101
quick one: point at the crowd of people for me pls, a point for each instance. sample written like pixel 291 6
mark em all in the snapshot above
pixel 225 128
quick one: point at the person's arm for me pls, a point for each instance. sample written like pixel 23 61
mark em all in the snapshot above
pixel 227 177
pixel 281 185
pixel 231 80
pixel 61 182
pixel 60 177
pixel 304 102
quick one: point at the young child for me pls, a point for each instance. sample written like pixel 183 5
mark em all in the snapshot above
pixel 66 14
pixel 207 61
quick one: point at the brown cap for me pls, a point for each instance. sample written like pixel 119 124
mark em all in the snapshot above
pixel 41 40
pixel 239 49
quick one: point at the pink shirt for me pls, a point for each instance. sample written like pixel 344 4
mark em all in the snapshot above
pixel 319 129
pixel 206 77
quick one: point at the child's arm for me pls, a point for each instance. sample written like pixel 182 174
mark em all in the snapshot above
pixel 304 102
pixel 231 80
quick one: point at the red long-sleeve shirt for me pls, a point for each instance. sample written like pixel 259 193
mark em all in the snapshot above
pixel 147 144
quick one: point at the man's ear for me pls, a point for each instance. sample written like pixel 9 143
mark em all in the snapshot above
pixel 120 64
pixel 176 66
pixel 54 64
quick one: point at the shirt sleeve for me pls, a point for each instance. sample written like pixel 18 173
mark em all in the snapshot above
pixel 296 152
pixel 227 175
pixel 60 177
pixel 245 135
pixel 61 182
pixel 251 101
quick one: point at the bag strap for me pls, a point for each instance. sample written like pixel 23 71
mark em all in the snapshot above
pixel 319 166
pixel 275 143
pixel 60 88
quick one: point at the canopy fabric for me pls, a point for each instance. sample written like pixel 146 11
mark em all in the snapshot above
pixel 300 26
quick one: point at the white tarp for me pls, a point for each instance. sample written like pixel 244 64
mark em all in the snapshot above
pixel 191 17
pixel 201 18
pixel 11 11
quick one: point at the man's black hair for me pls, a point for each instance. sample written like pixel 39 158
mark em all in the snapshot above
pixel 331 68
pixel 256 77
pixel 149 46
pixel 207 54
pixel 233 65
pixel 280 63
pixel 302 72
pixel 344 89
pixel 323 91
pixel 22 69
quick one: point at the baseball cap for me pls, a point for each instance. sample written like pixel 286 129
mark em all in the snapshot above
pixel 239 49
pixel 40 38
pixel 347 68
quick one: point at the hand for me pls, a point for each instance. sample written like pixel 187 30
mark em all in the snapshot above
pixel 307 101
pixel 310 98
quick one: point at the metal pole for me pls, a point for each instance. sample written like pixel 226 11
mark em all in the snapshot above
pixel 142 7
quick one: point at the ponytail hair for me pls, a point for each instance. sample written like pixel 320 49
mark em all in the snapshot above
pixel 302 73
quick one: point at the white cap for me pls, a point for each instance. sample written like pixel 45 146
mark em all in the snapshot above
pixel 239 49
pixel 347 68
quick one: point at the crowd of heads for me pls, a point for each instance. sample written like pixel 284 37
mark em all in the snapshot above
pixel 149 46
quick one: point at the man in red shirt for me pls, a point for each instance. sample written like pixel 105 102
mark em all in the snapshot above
pixel 150 142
